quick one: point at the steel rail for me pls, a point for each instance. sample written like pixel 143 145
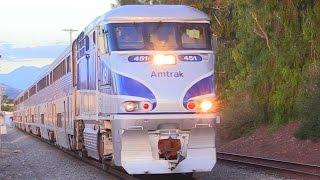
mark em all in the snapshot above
pixel 116 172
pixel 112 170
pixel 294 167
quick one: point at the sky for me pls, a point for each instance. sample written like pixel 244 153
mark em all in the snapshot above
pixel 31 25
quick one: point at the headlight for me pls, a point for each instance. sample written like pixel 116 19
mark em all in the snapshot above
pixel 130 106
pixel 200 106
pixel 160 59
pixel 206 106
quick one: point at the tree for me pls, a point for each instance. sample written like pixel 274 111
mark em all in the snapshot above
pixel 269 50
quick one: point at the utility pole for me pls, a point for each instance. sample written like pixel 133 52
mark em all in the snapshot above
pixel 3 129
pixel 2 89
pixel 70 33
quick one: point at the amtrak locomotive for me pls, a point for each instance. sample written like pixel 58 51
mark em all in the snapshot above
pixel 135 89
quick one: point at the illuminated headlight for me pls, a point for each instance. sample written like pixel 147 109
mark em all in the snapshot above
pixel 160 59
pixel 206 106
pixel 200 106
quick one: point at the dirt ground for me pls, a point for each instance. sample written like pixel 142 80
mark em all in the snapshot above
pixel 278 145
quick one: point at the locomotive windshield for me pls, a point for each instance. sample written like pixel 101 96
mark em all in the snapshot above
pixel 159 36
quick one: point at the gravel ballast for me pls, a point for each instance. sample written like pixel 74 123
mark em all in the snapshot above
pixel 26 157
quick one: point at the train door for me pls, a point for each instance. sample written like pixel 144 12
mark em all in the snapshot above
pixel 51 116
pixel 37 120
pixel 68 117
pixel 64 134
pixel 51 122
pixel 92 51
pixel 69 123
pixel 43 120
pixel 38 115
pixel 104 75
pixel 61 122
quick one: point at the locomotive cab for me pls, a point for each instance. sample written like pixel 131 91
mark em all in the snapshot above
pixel 161 96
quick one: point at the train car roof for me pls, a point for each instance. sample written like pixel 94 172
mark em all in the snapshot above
pixel 145 13
pixel 150 13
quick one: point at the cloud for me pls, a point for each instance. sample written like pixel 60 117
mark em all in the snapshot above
pixel 12 51
pixel 13 57
pixel 33 36
pixel 35 22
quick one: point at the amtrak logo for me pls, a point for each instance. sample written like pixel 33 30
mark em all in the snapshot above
pixel 178 74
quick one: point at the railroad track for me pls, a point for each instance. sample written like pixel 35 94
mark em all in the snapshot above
pixel 293 167
pixel 114 171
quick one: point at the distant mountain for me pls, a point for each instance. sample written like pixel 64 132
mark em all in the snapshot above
pixel 22 77
pixel 9 51
pixel 10 91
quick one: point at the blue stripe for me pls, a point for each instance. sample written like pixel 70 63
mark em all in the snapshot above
pixel 202 87
pixel 130 87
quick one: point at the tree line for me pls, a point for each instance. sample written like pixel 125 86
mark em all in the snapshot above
pixel 268 69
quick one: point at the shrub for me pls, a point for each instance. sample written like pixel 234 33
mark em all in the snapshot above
pixel 309 105
pixel 310 129
pixel 240 117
